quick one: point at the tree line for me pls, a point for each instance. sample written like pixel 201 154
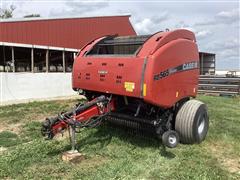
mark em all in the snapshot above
pixel 6 13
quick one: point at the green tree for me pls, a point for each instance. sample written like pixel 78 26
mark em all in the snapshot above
pixel 7 12
pixel 32 15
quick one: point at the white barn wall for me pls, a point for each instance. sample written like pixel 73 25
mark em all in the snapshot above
pixel 23 86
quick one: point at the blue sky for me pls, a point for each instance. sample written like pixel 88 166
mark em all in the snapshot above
pixel 215 23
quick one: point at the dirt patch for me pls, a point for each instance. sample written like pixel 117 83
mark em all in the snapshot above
pixel 233 165
pixel 93 162
pixel 2 127
pixel 62 136
pixel 55 171
pixel 37 117
pixel 16 128
pixel 221 152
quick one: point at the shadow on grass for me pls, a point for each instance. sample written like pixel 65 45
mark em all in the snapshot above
pixel 165 153
pixel 105 134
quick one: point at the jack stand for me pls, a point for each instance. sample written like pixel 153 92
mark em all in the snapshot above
pixel 73 155
pixel 73 138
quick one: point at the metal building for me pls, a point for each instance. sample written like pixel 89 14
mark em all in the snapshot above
pixel 207 63
pixel 49 45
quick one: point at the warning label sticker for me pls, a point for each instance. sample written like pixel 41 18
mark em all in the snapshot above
pixel 129 86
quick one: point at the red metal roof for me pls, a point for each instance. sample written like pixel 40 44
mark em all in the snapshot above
pixel 65 32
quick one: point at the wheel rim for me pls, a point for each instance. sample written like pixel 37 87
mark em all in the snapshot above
pixel 172 139
pixel 201 126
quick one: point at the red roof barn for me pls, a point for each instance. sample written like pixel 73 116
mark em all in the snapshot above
pixel 63 32
pixel 49 44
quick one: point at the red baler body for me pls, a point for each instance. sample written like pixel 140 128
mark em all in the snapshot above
pixel 162 71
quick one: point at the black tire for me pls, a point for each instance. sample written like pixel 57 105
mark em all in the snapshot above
pixel 170 138
pixel 192 122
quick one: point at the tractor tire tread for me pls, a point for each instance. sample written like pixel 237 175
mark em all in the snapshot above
pixel 184 120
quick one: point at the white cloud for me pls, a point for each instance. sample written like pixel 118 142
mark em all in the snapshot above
pixel 203 34
pixel 150 24
pixel 219 45
pixel 229 14
pixel 231 44
pixel 227 53
pixel 228 17
pixel 144 26
pixel 76 8
pixel 199 33
pixel 223 17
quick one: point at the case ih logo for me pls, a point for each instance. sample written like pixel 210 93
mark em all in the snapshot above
pixel 180 68
pixel 191 65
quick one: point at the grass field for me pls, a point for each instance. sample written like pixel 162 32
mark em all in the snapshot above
pixel 112 153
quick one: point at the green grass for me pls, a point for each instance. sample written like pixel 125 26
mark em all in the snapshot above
pixel 112 153
pixel 8 139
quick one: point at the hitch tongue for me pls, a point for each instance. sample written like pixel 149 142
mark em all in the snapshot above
pixel 46 129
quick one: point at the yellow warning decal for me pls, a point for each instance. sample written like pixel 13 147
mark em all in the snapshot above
pixel 177 94
pixel 129 86
pixel 144 89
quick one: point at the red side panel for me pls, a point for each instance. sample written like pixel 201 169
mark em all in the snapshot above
pixel 117 75
pixel 174 65
pixel 161 38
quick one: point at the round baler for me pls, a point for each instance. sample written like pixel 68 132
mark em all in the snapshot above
pixel 144 82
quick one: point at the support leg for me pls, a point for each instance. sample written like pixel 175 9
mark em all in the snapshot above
pixel 73 138
pixel 73 155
